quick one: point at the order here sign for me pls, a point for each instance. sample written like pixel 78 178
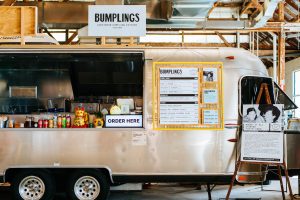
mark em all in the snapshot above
pixel 117 20
pixel 124 121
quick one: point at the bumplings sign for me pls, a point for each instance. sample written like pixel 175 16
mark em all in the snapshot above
pixel 117 20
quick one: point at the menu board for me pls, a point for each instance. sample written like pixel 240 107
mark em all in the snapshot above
pixel 187 95
pixel 179 96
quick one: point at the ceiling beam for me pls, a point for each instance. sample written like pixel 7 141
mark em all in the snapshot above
pixel 223 39
pixel 292 4
pixel 281 11
pixel 73 36
pixel 264 37
pixel 230 4
pixel 290 13
pixel 8 2
pixel 212 8
pixel 293 35
pixel 46 30
pixel 246 6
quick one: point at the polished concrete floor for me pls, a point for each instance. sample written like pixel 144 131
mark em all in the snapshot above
pixel 191 192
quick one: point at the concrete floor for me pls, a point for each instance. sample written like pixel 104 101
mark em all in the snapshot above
pixel 176 192
pixel 190 192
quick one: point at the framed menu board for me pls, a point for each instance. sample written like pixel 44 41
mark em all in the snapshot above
pixel 187 95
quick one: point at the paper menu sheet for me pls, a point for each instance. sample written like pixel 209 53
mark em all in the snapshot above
pixel 262 147
pixel 179 101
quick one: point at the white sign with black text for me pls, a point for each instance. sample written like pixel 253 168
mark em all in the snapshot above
pixel 262 147
pixel 210 96
pixel 210 117
pixel 179 88
pixel 124 121
pixel 117 20
pixel 139 138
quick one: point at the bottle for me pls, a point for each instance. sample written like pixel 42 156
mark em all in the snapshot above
pixel 40 123
pixel 68 118
pixel 11 123
pixel 27 122
pixel 35 122
pixel 51 123
pixel 59 122
pixel 45 123
pixel 55 121
pixel 32 122
pixel 64 122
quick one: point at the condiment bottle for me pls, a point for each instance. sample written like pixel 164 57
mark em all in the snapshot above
pixel 64 122
pixel 45 123
pixel 27 122
pixel 40 123
pixel 35 122
pixel 59 121
pixel 11 123
pixel 55 121
pixel 68 118
pixel 32 122
pixel 51 123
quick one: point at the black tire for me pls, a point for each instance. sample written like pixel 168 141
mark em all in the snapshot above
pixel 34 177
pixel 99 190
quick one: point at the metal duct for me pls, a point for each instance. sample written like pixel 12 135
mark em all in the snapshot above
pixel 156 9
pixel 191 9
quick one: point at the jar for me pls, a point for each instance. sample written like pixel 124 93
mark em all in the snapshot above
pixel 40 123
pixel 50 123
pixel 27 123
pixel 17 125
pixel 45 123
pixel 11 123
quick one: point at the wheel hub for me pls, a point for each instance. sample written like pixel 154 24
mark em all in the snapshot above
pixel 31 188
pixel 87 188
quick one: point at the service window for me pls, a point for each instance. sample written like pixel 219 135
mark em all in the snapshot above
pixel 101 83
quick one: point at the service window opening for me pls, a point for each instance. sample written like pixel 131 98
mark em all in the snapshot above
pixel 108 83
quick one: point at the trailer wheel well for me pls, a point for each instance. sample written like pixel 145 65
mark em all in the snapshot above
pixel 56 172
pixel 11 172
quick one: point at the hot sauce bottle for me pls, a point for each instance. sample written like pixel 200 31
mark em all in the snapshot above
pixel 68 118
pixel 59 121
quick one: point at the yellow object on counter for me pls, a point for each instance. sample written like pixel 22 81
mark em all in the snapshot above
pixel 115 110
pixel 98 123
pixel 86 118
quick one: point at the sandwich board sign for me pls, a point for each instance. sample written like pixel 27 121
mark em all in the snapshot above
pixel 262 136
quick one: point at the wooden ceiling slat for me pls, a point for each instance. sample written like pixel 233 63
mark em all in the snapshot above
pixel 8 2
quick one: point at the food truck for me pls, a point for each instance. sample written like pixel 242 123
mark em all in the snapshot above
pixel 136 114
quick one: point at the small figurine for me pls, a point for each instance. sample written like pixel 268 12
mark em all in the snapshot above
pixel 79 121
pixel 98 121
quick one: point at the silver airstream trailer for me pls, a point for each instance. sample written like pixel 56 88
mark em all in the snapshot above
pixel 88 160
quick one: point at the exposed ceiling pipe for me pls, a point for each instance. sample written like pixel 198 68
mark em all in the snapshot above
pixel 267 13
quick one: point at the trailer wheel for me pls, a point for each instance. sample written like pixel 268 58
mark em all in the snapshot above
pixel 88 185
pixel 33 185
